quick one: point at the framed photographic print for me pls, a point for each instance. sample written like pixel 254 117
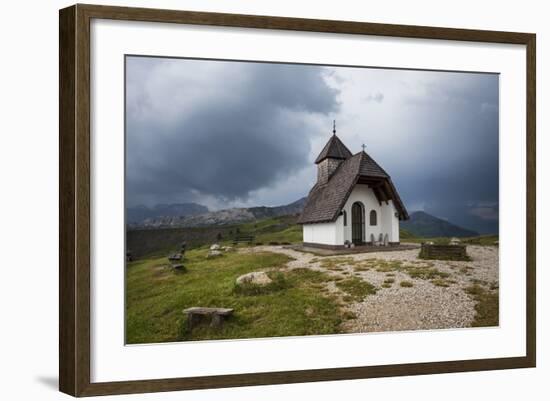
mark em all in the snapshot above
pixel 250 200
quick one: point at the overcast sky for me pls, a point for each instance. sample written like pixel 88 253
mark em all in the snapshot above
pixel 226 134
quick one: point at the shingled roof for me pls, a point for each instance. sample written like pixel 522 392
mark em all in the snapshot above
pixel 334 149
pixel 325 201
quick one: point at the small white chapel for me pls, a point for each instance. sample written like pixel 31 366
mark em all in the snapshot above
pixel 353 201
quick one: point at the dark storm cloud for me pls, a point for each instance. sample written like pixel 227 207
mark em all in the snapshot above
pixel 220 129
pixel 453 165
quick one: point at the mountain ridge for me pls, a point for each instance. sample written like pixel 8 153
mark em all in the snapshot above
pixel 221 217
pixel 422 224
pixel 137 214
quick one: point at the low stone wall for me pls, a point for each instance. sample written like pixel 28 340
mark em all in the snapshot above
pixel 443 252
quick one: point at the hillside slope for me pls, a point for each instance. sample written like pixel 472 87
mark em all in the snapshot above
pixel 422 224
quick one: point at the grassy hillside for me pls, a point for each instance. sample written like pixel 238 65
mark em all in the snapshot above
pixel 277 230
pixel 484 240
pixel 156 295
pixel 422 224
pixel 159 242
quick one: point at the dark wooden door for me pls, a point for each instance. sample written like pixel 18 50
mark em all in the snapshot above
pixel 357 223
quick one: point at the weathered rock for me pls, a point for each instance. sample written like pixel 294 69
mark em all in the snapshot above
pixel 454 241
pixel 215 247
pixel 227 248
pixel 214 254
pixel 217 316
pixel 256 278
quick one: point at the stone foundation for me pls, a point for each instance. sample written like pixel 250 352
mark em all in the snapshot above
pixel 443 252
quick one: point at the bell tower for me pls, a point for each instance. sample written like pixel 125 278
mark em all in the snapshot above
pixel 334 153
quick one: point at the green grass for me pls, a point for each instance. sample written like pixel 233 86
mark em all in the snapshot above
pixel 149 243
pixel 291 235
pixel 337 263
pixel 280 230
pixel 406 284
pixel 439 282
pixel 156 297
pixel 484 240
pixel 487 307
pixel 356 288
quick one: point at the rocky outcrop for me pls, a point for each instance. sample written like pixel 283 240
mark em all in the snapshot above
pixel 254 278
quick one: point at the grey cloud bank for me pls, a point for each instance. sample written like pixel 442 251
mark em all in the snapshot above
pixel 220 130
pixel 229 134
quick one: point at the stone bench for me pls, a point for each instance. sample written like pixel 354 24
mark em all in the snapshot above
pixel 217 316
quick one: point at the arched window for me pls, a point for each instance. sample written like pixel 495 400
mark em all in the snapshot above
pixel 345 218
pixel 372 218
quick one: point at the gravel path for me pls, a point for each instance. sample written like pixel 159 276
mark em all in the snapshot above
pixel 423 306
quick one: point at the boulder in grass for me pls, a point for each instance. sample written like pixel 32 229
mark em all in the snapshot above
pixel 454 241
pixel 214 254
pixel 227 248
pixel 215 247
pixel 254 278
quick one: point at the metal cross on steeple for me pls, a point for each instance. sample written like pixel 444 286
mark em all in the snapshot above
pixel 363 146
pixel 334 127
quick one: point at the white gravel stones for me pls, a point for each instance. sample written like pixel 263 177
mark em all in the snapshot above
pixel 423 306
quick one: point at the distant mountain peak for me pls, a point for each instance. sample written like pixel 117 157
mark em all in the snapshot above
pixel 140 213
pixel 218 217
pixel 423 224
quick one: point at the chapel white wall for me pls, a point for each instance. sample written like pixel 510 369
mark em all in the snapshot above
pixel 387 222
pixel 390 222
pixel 321 233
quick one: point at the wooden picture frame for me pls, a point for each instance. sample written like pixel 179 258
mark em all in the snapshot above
pixel 74 204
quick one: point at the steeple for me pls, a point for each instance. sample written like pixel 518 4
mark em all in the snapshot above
pixel 331 156
pixel 334 149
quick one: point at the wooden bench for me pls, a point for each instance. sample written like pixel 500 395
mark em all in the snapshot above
pixel 196 315
pixel 243 238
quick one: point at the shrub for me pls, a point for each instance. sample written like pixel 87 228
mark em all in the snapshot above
pixel 356 288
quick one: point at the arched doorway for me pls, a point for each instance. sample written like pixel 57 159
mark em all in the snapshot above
pixel 357 223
